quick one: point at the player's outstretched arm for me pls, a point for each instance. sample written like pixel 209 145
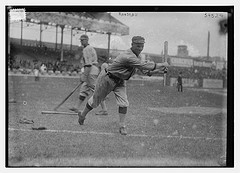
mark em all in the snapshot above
pixel 157 71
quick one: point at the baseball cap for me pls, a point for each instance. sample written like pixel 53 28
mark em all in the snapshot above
pixel 84 36
pixel 138 39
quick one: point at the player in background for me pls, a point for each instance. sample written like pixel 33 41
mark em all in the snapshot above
pixel 179 82
pixel 88 58
pixel 114 79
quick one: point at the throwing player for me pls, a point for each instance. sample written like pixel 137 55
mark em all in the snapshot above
pixel 114 79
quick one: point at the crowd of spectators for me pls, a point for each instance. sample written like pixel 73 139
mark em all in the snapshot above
pixel 25 57
pixel 197 72
pixel 194 72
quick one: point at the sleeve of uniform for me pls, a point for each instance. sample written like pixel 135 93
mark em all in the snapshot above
pixel 135 62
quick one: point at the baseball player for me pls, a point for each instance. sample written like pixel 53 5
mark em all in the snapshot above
pixel 179 82
pixel 114 79
pixel 90 61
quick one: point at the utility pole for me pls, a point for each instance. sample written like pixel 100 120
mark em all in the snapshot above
pixel 62 28
pixel 109 35
pixel 56 37
pixel 21 32
pixel 208 45
pixel 165 56
pixel 71 39
pixel 41 34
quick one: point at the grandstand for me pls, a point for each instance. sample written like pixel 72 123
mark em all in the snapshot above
pixel 29 54
pixel 97 22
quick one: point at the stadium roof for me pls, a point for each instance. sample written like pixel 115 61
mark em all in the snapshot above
pixel 99 22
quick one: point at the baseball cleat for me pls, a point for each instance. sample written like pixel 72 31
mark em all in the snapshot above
pixel 102 113
pixel 74 109
pixel 26 121
pixel 39 128
pixel 80 118
pixel 12 101
pixel 122 131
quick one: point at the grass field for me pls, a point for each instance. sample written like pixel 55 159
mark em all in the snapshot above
pixel 165 128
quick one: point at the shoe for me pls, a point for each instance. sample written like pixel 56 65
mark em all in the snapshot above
pixel 80 118
pixel 122 131
pixel 102 113
pixel 12 101
pixel 74 109
pixel 26 121
pixel 39 128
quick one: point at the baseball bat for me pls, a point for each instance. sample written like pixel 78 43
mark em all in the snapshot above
pixel 65 99
pixel 56 112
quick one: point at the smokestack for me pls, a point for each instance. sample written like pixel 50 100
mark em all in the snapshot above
pixel 165 48
pixel 208 44
pixel 165 51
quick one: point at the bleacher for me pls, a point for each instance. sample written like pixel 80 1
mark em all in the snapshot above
pixel 196 72
pixel 27 57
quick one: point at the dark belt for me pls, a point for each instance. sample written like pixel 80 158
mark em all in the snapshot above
pixel 113 77
pixel 87 65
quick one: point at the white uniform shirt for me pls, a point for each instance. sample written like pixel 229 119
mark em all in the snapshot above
pixel 89 55
pixel 90 58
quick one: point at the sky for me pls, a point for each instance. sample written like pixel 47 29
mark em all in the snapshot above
pixel 190 29
pixel 185 28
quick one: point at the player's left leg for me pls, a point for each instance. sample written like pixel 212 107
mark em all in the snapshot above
pixel 122 111
pixel 178 87
pixel 122 102
pixel 86 89
pixel 82 95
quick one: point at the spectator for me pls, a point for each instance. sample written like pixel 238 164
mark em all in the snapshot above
pixel 43 68
pixel 36 71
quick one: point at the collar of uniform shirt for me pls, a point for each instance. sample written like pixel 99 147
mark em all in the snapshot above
pixel 86 45
pixel 138 56
pixel 134 52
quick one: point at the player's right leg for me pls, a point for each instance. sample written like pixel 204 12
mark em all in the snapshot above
pixel 104 85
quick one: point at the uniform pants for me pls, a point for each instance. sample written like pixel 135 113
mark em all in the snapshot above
pixel 104 86
pixel 89 82
pixel 88 87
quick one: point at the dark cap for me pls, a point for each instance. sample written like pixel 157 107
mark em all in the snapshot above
pixel 84 36
pixel 138 39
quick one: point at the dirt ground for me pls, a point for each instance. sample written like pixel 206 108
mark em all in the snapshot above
pixel 165 128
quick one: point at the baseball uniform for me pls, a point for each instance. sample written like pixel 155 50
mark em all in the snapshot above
pixel 89 60
pixel 115 76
